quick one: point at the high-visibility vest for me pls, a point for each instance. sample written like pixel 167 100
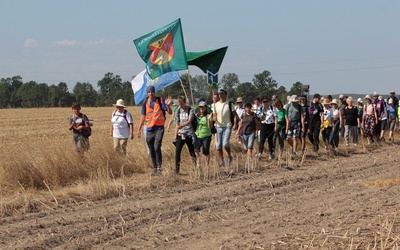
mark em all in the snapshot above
pixel 155 116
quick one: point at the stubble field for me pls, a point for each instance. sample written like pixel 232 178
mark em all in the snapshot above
pixel 52 197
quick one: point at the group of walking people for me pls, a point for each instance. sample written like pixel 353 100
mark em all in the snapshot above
pixel 263 120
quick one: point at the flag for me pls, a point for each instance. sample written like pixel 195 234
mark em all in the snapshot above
pixel 142 80
pixel 212 78
pixel 163 50
pixel 209 60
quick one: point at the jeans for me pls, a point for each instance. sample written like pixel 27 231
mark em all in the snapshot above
pixel 203 142
pixel 267 133
pixel 334 136
pixel 224 135
pixel 354 132
pixel 178 150
pixel 313 136
pixel 154 140
pixel 280 136
pixel 248 140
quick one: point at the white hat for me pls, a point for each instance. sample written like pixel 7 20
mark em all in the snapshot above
pixel 359 100
pixel 341 97
pixel 120 103
pixel 334 101
pixel 380 98
pixel 376 94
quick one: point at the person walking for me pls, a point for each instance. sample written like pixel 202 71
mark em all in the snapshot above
pixel 153 111
pixel 316 121
pixel 267 128
pixel 249 125
pixel 225 119
pixel 281 122
pixel 183 132
pixel 328 123
pixel 295 124
pixel 79 124
pixel 305 110
pixel 121 128
pixel 370 120
pixel 240 110
pixel 203 133
pixel 337 124
pixel 352 123
pixel 393 120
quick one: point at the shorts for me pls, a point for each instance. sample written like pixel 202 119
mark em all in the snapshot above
pixel 248 140
pixel 384 124
pixel 223 137
pixel 392 124
pixel 203 142
pixel 294 130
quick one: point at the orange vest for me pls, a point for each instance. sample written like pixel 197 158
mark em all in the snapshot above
pixel 154 117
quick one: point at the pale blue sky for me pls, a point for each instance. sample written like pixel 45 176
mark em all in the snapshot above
pixel 337 46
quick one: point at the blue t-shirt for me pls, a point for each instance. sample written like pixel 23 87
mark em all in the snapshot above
pixel 164 107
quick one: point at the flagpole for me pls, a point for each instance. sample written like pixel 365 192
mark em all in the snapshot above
pixel 183 88
pixel 190 86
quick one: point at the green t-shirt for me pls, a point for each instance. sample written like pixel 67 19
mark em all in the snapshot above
pixel 202 129
pixel 281 115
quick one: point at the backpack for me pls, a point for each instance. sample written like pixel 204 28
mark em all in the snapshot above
pixel 195 121
pixel 88 132
pixel 123 114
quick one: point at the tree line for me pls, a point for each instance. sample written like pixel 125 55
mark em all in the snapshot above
pixel 14 93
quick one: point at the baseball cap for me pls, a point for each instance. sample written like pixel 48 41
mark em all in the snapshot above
pixel 202 104
pixel 317 96
pixel 359 100
pixel 239 99
pixel 151 88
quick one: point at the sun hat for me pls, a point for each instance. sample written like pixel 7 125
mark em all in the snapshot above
pixel 120 103
pixel 326 102
pixel 151 88
pixel 367 97
pixel 202 104
pixel 294 99
pixel 334 101
pixel 239 99
pixel 392 92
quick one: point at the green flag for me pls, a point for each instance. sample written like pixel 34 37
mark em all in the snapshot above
pixel 163 50
pixel 209 60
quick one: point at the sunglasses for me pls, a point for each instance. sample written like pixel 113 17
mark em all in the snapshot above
pixel 265 101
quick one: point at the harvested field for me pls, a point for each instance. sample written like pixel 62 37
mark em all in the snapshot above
pixel 54 198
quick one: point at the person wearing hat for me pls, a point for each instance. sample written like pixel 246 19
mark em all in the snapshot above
pixel 203 133
pixel 295 124
pixel 370 120
pixel 393 120
pixel 379 107
pixel 225 119
pixel 394 98
pixel 352 122
pixel 240 110
pixel 316 121
pixel 153 112
pixel 337 124
pixel 121 128
pixel 79 124
pixel 328 123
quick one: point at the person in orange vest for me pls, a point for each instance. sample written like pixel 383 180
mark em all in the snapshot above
pixel 153 111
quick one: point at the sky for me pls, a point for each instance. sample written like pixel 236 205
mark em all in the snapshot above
pixel 336 47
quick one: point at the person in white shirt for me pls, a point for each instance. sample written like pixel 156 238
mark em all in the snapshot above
pixel 267 128
pixel 240 111
pixel 121 128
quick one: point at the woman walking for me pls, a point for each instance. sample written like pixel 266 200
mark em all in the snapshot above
pixel 121 128
pixel 392 119
pixel 337 124
pixel 352 122
pixel 249 124
pixel 328 123
pixel 280 125
pixel 370 119
pixel 203 134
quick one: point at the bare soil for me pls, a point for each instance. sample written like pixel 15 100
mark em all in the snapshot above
pixel 327 202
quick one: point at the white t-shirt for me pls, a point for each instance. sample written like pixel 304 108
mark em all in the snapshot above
pixel 223 114
pixel 240 111
pixel 268 114
pixel 328 115
pixel 120 124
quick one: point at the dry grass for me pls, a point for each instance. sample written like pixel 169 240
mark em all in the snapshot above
pixel 39 167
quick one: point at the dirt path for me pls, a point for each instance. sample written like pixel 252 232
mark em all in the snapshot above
pixel 321 205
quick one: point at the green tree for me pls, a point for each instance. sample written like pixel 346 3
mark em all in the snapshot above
pixel 5 92
pixel 65 98
pixel 127 93
pixel 16 83
pixel 229 82
pixel 200 87
pixel 85 94
pixel 296 89
pixel 281 93
pixel 247 91
pixel 265 84
pixel 110 89
pixel 54 96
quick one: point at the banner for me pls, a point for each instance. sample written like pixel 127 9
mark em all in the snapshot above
pixel 163 50
pixel 142 80
pixel 209 60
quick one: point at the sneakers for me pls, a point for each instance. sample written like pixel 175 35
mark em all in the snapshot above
pixel 347 145
pixel 157 171
pixel 230 159
pixel 258 156
pixel 355 144
pixel 271 156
